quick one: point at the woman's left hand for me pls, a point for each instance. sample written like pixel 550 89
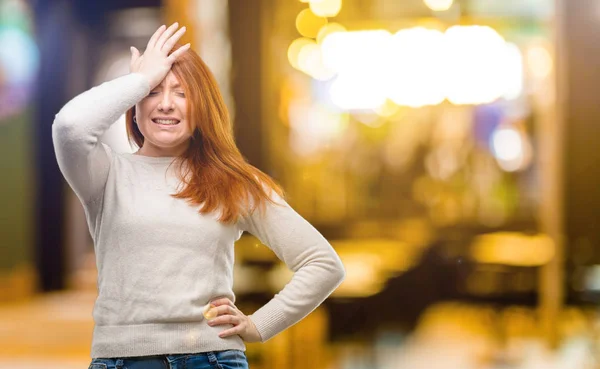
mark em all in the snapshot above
pixel 228 313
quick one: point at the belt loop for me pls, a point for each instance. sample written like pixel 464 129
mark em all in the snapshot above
pixel 212 358
pixel 119 364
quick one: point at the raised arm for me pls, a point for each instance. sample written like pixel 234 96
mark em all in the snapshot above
pixel 318 270
pixel 78 126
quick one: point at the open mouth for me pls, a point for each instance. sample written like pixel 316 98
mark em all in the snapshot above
pixel 166 122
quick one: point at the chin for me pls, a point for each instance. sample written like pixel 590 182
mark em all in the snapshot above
pixel 167 144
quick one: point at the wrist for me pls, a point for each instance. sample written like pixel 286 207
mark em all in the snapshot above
pixel 254 330
pixel 146 81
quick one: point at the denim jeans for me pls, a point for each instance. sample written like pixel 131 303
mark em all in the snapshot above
pixel 228 359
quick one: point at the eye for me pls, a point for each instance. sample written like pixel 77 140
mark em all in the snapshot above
pixel 180 94
pixel 152 93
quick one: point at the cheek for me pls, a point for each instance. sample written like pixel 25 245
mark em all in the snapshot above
pixel 143 109
pixel 182 106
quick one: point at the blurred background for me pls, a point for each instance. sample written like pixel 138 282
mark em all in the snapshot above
pixel 446 149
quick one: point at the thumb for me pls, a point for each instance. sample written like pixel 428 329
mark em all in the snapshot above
pixel 135 54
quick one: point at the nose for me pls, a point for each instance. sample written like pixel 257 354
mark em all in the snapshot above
pixel 166 103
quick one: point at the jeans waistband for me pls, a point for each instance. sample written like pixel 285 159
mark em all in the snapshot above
pixel 143 362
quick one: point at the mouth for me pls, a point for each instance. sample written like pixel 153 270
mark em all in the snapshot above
pixel 166 121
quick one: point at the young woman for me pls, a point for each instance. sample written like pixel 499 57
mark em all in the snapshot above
pixel 164 219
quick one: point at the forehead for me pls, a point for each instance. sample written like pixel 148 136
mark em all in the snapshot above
pixel 170 80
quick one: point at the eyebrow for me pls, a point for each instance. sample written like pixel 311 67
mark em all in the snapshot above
pixel 174 85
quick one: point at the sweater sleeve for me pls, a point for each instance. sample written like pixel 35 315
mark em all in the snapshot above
pixel 317 268
pixel 82 158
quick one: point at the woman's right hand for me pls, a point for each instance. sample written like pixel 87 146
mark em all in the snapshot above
pixel 156 62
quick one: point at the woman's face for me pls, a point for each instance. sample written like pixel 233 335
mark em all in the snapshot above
pixel 161 117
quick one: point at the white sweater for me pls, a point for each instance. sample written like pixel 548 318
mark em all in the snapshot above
pixel 159 261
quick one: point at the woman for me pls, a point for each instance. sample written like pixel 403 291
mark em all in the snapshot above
pixel 164 219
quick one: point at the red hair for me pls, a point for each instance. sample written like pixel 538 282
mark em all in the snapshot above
pixel 213 172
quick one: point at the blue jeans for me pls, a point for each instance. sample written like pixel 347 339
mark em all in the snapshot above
pixel 228 359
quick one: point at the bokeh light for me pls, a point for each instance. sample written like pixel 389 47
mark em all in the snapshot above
pixel 415 68
pixel 308 23
pixel 439 5
pixel 467 65
pixel 329 29
pixel 311 62
pixel 19 57
pixel 475 59
pixel 294 50
pixel 539 61
pixel 511 148
pixel 326 8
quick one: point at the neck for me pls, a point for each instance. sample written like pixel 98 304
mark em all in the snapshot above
pixel 154 151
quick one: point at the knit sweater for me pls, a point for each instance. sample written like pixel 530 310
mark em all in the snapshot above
pixel 159 261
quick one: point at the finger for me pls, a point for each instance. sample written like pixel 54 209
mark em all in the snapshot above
pixel 155 37
pixel 225 309
pixel 222 301
pixel 135 54
pixel 166 35
pixel 177 53
pixel 225 319
pixel 230 332
pixel 173 39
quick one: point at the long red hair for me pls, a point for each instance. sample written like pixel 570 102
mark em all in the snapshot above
pixel 213 172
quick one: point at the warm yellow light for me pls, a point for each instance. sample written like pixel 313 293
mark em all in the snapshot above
pixel 539 62
pixel 415 67
pixel 439 5
pixel 314 127
pixel 311 63
pixel 513 249
pixel 475 61
pixel 209 312
pixel 370 262
pixel 418 66
pixel 357 51
pixel 513 71
pixel 363 277
pixel 309 24
pixel 387 109
pixel 328 29
pixel 309 57
pixel 295 48
pixel 358 93
pixel 507 144
pixel 511 149
pixel 359 58
pixel 326 8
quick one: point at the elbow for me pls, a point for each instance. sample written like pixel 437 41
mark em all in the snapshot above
pixel 62 129
pixel 66 127
pixel 338 273
pixel 63 120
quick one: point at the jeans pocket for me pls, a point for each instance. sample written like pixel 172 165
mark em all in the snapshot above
pixel 97 365
pixel 231 359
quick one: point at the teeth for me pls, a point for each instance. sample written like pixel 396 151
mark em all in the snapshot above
pixel 166 121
